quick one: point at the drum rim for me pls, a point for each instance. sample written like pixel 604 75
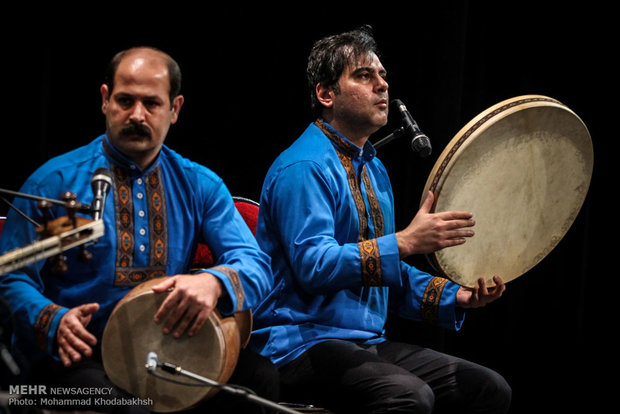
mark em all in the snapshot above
pixel 477 124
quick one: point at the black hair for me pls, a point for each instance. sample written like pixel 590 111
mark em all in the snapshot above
pixel 331 55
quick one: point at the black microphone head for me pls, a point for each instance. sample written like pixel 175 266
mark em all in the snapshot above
pixel 101 175
pixel 100 184
pixel 422 145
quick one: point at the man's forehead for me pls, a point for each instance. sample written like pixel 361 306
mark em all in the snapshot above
pixel 146 61
pixel 368 61
pixel 142 69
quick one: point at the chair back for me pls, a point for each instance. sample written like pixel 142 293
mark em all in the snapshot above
pixel 249 211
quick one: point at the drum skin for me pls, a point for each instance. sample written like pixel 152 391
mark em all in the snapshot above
pixel 523 168
pixel 131 334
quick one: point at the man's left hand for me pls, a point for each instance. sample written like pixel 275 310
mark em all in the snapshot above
pixel 480 295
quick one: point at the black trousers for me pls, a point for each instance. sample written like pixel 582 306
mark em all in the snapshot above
pixel 252 371
pixel 392 377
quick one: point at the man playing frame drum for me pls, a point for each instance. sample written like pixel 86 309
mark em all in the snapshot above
pixel 336 258
pixel 159 208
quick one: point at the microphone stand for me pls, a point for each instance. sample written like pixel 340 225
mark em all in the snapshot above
pixel 419 141
pixel 399 132
pixel 173 369
pixel 5 352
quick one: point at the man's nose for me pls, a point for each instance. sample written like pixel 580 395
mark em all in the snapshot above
pixel 382 84
pixel 138 112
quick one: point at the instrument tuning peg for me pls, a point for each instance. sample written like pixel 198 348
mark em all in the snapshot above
pixel 71 205
pixel 58 264
pixel 84 255
pixel 67 196
pixel 44 207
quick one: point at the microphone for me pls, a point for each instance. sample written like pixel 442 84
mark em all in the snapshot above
pixel 151 362
pixel 419 141
pixel 100 183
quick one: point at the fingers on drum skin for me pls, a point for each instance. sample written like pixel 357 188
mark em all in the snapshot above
pixel 183 312
pixel 165 285
pixel 192 320
pixel 166 312
pixel 180 318
pixel 168 304
pixel 201 318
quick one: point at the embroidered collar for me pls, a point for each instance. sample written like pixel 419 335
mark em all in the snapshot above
pixel 341 142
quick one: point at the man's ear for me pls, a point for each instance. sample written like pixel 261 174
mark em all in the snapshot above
pixel 177 103
pixel 105 98
pixel 325 95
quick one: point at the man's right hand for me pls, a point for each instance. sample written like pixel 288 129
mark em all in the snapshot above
pixel 74 341
pixel 429 232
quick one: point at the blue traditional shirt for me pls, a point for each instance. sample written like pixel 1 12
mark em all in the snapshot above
pixel 153 222
pixel 327 221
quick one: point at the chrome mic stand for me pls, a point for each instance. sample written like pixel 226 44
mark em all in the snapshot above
pixel 152 364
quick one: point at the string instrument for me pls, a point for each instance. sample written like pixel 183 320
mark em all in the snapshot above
pixel 56 236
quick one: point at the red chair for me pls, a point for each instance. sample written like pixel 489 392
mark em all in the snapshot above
pixel 249 211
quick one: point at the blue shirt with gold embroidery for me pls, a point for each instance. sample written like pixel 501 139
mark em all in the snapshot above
pixel 327 221
pixel 153 222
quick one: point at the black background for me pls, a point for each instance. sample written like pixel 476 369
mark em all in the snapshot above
pixel 246 100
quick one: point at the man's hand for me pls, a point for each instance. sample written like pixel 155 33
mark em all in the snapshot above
pixel 74 341
pixel 480 295
pixel 429 232
pixel 189 304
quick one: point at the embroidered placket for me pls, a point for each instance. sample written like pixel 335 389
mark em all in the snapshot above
pixel 370 257
pixel 142 230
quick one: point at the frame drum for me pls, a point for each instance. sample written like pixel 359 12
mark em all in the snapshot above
pixel 523 168
pixel 131 334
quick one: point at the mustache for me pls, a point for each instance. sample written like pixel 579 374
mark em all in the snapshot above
pixel 136 129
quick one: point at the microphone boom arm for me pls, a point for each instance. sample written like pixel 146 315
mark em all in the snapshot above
pixel 419 141
pixel 399 132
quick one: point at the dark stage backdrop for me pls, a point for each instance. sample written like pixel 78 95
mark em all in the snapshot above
pixel 246 100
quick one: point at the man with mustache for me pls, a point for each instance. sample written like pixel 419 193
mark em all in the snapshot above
pixel 160 207
pixel 336 259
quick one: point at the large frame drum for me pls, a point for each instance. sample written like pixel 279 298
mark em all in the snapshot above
pixel 523 168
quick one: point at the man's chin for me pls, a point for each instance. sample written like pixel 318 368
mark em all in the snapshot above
pixel 134 137
pixel 135 146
